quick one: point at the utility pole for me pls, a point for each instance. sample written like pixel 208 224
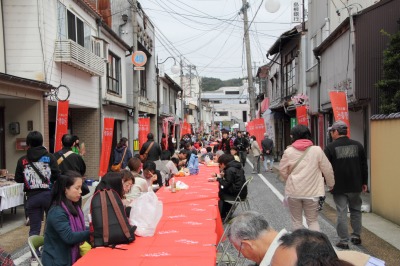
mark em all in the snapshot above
pixel 250 88
pixel 136 90
pixel 182 98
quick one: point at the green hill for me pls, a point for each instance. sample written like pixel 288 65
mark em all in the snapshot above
pixel 212 84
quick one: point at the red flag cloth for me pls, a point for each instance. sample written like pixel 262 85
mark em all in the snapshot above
pixel 256 127
pixel 301 115
pixel 144 129
pixel 108 131
pixel 62 123
pixel 340 108
pixel 166 132
pixel 185 129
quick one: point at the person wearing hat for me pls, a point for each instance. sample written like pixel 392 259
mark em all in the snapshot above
pixel 349 163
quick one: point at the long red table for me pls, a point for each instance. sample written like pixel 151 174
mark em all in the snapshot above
pixel 187 233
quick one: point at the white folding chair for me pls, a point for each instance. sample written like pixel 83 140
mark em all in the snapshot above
pixel 244 203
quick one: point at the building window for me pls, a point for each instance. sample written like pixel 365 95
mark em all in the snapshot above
pixel 289 74
pixel 222 113
pixel 113 73
pixel 142 82
pixel 72 27
pixel 231 92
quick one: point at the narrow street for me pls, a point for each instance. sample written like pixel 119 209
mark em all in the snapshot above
pixel 266 195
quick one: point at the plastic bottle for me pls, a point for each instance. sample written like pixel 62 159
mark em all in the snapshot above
pixel 173 185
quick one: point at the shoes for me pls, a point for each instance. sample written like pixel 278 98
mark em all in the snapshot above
pixel 34 262
pixel 342 245
pixel 356 240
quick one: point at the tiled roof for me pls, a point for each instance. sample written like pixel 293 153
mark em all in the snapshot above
pixel 383 117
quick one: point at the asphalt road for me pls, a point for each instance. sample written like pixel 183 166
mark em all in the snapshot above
pixel 265 195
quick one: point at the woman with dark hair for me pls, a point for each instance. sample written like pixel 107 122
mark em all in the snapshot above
pixel 163 142
pixel 122 153
pixel 112 180
pixel 303 167
pixel 65 227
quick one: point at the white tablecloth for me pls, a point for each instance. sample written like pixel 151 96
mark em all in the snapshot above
pixel 11 196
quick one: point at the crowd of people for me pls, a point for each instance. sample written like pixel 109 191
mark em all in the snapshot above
pixel 304 167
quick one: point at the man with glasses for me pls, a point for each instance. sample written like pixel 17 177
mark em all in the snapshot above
pixel 350 168
pixel 254 238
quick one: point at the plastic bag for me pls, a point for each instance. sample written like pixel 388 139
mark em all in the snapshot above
pixel 146 212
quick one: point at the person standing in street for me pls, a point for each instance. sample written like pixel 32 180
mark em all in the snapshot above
pixel 350 169
pixel 37 170
pixel 171 144
pixel 267 146
pixel 255 148
pixel 225 144
pixel 67 159
pixel 154 151
pixel 119 152
pixel 242 144
pixel 305 168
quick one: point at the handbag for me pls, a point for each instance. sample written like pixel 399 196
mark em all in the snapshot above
pixel 143 157
pixel 117 167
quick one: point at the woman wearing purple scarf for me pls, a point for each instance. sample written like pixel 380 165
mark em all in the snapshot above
pixel 65 227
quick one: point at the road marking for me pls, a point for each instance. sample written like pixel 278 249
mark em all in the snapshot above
pixel 23 258
pixel 273 189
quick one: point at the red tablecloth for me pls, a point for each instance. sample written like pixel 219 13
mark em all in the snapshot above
pixel 187 233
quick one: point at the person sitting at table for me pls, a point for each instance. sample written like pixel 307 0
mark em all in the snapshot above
pixel 231 183
pixel 65 227
pixel 251 234
pixel 128 180
pixel 183 155
pixel 193 164
pixel 140 186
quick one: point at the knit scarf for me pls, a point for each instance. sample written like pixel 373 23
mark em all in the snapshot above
pixel 77 225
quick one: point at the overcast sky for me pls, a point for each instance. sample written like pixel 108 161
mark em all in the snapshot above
pixel 209 33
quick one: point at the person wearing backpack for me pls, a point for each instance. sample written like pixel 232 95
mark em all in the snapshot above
pixel 37 170
pixel 65 227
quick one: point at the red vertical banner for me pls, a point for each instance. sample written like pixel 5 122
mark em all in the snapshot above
pixel 321 131
pixel 340 108
pixel 108 130
pixel 62 123
pixel 301 115
pixel 185 128
pixel 259 129
pixel 144 129
pixel 166 132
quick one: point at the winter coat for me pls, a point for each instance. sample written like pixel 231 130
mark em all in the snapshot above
pixel 73 162
pixel 267 145
pixel 349 164
pixel 255 148
pixel 119 152
pixel 306 179
pixel 241 143
pixel 233 180
pixel 154 152
pixel 45 162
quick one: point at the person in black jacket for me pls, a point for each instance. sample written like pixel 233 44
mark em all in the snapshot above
pixel 171 144
pixel 155 150
pixel 67 159
pixel 37 170
pixel 225 144
pixel 242 144
pixel 231 182
pixel 350 169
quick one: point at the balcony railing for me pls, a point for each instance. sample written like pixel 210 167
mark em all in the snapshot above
pixel 312 75
pixel 71 53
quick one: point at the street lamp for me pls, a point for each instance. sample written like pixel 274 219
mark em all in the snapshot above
pixel 272 5
pixel 174 69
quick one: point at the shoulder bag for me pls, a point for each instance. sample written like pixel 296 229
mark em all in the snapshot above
pixel 301 158
pixel 117 167
pixel 143 157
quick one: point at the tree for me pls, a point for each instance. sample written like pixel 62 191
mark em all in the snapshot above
pixel 390 84
pixel 212 84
